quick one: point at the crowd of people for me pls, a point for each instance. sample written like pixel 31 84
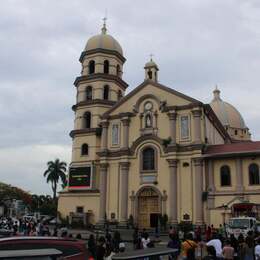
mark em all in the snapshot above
pixel 208 245
pixel 213 244
pixel 25 227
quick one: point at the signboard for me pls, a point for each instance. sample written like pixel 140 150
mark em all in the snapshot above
pixel 80 177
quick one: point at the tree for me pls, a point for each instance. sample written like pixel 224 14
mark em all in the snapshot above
pixel 55 172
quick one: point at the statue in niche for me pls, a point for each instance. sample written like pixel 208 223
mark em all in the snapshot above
pixel 148 121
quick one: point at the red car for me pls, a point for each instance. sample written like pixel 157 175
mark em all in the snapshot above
pixel 71 249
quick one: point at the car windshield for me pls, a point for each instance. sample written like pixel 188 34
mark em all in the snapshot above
pixel 239 223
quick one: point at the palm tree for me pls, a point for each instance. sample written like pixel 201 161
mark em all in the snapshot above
pixel 56 171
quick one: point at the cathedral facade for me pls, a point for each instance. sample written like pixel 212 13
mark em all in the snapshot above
pixel 154 151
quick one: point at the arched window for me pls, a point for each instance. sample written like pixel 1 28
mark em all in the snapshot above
pixel 87 120
pixel 225 177
pixel 119 95
pixel 89 93
pixel 84 149
pixel 106 92
pixel 118 70
pixel 148 156
pixel 253 174
pixel 91 67
pixel 150 74
pixel 106 66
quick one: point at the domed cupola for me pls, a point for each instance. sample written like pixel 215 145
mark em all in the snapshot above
pixel 230 118
pixel 151 70
pixel 103 41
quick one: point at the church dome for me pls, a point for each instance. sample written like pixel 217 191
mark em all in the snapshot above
pixel 103 41
pixel 150 64
pixel 226 113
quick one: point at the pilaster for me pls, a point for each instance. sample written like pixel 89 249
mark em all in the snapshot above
pixel 103 192
pixel 173 214
pixel 124 172
pixel 198 177
pixel 197 125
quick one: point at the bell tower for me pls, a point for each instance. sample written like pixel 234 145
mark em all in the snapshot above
pixel 99 87
pixel 151 70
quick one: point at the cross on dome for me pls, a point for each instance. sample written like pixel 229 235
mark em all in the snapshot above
pixel 104 28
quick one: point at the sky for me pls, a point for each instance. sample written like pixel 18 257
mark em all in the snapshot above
pixel 196 44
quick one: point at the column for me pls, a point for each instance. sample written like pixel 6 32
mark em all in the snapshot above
pixel 125 122
pixel 198 170
pixel 124 170
pixel 211 184
pixel 103 192
pixel 197 126
pixel 172 118
pixel 173 217
pixel 104 135
pixel 239 176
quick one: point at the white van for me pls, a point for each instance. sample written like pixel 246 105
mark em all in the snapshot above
pixel 241 225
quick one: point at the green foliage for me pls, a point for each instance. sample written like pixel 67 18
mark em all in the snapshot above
pixel 204 196
pixel 185 226
pixel 131 221
pixel 44 204
pixel 8 192
pixel 55 172
pixel 167 141
pixel 163 220
pixel 99 131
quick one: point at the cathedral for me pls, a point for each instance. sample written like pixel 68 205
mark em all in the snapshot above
pixel 155 151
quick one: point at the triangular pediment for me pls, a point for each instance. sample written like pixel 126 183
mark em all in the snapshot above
pixel 149 88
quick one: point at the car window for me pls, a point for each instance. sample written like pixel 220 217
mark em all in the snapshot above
pixel 65 249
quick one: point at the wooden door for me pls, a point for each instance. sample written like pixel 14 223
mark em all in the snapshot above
pixel 148 203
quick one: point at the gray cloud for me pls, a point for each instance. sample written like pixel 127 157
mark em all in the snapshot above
pixel 196 44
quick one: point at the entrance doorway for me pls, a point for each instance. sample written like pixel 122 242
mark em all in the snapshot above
pixel 148 208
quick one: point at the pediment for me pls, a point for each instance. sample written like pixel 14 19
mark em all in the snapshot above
pixel 162 95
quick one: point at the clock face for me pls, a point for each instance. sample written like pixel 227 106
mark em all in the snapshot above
pixel 148 106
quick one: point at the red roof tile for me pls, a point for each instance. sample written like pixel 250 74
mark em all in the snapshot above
pixel 234 148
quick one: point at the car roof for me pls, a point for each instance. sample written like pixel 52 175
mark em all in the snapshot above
pixel 36 238
pixel 157 251
pixel 29 253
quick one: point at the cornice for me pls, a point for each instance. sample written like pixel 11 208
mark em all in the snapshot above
pixel 100 50
pixel 93 102
pixel 84 131
pixel 97 76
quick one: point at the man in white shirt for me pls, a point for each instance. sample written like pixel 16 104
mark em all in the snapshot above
pixel 257 250
pixel 216 243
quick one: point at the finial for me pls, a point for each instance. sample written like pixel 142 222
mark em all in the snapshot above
pixel 151 57
pixel 104 28
pixel 216 93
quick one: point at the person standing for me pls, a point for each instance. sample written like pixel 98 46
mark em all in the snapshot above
pixel 174 243
pixel 135 238
pixel 211 253
pixel 92 247
pixel 257 250
pixel 215 241
pixel 228 251
pixel 188 247
pixel 101 249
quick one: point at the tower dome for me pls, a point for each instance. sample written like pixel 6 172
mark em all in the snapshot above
pixel 230 117
pixel 103 41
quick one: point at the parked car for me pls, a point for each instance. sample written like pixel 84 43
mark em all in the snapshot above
pixel 32 254
pixel 71 249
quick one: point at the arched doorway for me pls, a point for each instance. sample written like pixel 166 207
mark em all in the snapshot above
pixel 149 207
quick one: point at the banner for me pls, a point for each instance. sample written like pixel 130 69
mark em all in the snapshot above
pixel 80 177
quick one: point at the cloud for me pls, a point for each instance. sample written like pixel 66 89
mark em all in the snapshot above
pixel 196 44
pixel 24 167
